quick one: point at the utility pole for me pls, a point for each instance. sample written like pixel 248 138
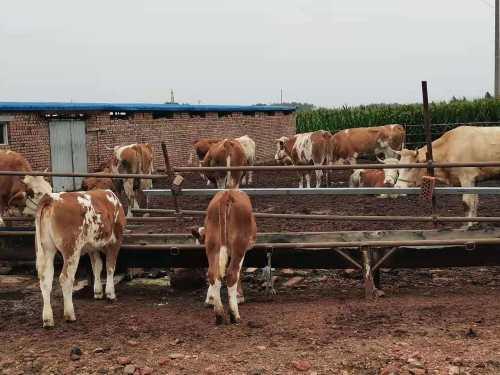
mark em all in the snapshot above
pixel 497 50
pixel 281 92
pixel 172 96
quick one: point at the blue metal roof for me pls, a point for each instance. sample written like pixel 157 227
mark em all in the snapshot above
pixel 134 107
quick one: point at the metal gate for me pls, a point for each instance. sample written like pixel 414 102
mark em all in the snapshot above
pixel 68 152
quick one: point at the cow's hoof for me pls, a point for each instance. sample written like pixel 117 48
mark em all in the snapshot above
pixel 70 318
pixel 98 295
pixel 111 298
pixel 219 320
pixel 48 324
pixel 240 299
pixel 234 319
pixel 208 305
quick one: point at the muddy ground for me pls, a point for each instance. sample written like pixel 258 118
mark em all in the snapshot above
pixel 430 321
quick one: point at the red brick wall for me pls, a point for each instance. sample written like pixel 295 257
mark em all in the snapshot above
pixel 180 131
pixel 29 134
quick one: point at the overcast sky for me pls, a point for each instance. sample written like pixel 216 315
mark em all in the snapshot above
pixel 326 52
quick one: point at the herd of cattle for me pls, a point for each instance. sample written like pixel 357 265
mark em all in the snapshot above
pixel 92 221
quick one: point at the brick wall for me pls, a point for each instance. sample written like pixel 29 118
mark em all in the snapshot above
pixel 180 131
pixel 29 134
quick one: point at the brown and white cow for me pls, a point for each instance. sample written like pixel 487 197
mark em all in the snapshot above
pixel 462 144
pixel 133 159
pixel 22 193
pixel 74 224
pixel 230 230
pixel 304 149
pixel 202 146
pixel 226 153
pixel 376 177
pixel 349 144
pixel 97 183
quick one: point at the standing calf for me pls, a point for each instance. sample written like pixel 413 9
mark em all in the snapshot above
pixel 229 231
pixel 75 224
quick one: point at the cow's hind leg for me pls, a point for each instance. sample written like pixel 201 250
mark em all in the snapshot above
pixel 232 278
pixel 308 179
pixel 96 261
pixel 45 269
pixel 111 256
pixel 301 180
pixel 214 280
pixel 67 279
pixel 471 201
pixel 240 296
pixel 319 176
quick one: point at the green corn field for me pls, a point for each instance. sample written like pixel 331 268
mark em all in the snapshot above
pixel 456 111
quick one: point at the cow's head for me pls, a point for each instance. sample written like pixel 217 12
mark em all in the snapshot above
pixel 410 177
pixel 35 188
pixel 198 234
pixel 281 156
pixel 390 175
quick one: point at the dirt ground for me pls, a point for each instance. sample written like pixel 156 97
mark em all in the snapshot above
pixel 430 321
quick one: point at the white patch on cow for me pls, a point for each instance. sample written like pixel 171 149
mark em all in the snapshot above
pixel 232 294
pixel 112 198
pixel 218 308
pixel 223 257
pixel 40 187
pixel 303 146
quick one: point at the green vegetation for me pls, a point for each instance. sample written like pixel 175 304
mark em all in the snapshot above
pixel 454 111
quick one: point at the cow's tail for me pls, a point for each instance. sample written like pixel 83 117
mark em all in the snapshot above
pixel 224 212
pixel 227 146
pixel 40 254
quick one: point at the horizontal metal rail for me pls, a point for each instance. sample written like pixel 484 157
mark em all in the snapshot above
pixel 332 191
pixel 299 245
pixel 326 245
pixel 265 215
pixel 258 168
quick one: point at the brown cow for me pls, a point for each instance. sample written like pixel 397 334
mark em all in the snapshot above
pixel 75 224
pixel 229 231
pixel 97 183
pixel 349 144
pixel 202 146
pixel 133 159
pixel 226 153
pixel 303 149
pixel 376 177
pixel 20 192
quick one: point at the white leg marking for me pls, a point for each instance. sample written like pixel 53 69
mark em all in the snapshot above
pixel 96 261
pixel 210 299
pixel 67 279
pixel 110 284
pixel 308 180
pixel 218 308
pixel 45 267
pixel 233 300
pixel 301 181
pixel 223 258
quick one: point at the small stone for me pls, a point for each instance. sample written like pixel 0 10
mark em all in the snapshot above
pixel 293 281
pixel 261 347
pixel 123 360
pixel 453 370
pixel 471 334
pixel 390 370
pixel 301 365
pixel 133 342
pixel 75 353
pixel 176 356
pixel 129 369
pixel 163 361
pixel 413 362
pixel 146 371
pixel 177 342
pixel 210 370
pixel 102 371
pixel 256 371
pixel 254 324
pixel 99 350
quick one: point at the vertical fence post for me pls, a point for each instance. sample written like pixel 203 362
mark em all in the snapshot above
pixel 170 173
pixel 428 138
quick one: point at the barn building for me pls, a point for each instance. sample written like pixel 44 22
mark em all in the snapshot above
pixel 77 137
